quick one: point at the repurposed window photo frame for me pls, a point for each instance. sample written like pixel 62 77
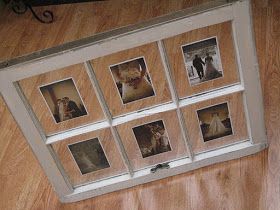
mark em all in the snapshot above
pixel 133 79
pixel 64 99
pixel 209 122
pixel 153 139
pixel 90 157
pixel 216 123
pixel 203 59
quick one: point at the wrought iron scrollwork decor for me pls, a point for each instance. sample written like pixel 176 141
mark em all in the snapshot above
pixel 20 7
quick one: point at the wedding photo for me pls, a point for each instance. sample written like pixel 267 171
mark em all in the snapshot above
pixel 202 61
pixel 152 138
pixel 215 122
pixel 89 156
pixel 132 80
pixel 63 100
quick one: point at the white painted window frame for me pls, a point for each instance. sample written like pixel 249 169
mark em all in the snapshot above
pixel 81 51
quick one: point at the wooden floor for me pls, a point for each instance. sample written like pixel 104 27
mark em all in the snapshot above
pixel 248 183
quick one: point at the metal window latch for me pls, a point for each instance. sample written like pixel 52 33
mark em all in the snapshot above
pixel 160 166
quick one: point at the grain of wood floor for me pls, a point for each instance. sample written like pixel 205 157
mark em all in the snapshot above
pixel 248 183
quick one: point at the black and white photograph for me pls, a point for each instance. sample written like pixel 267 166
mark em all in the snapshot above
pixel 63 100
pixel 89 156
pixel 202 61
pixel 152 138
pixel 132 80
pixel 215 122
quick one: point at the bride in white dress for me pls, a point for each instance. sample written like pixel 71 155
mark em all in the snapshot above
pixel 216 127
pixel 60 107
pixel 87 163
pixel 62 110
pixel 210 71
pixel 135 84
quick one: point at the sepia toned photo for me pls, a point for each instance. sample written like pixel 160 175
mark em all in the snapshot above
pixel 152 138
pixel 89 156
pixel 215 122
pixel 63 100
pixel 202 61
pixel 132 80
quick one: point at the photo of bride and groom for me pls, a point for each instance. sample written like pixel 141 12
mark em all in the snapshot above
pixel 152 138
pixel 215 122
pixel 202 61
pixel 63 100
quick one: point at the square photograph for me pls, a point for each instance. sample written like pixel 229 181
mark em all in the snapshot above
pixel 132 80
pixel 63 100
pixel 152 138
pixel 202 61
pixel 89 156
pixel 215 122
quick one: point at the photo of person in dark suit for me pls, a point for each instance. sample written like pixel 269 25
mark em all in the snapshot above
pixel 198 65
pixel 72 108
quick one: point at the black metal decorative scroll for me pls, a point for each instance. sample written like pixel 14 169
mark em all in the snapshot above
pixel 21 6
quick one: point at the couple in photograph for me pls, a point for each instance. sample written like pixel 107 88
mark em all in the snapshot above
pixel 67 109
pixel 159 138
pixel 210 71
pixel 152 138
